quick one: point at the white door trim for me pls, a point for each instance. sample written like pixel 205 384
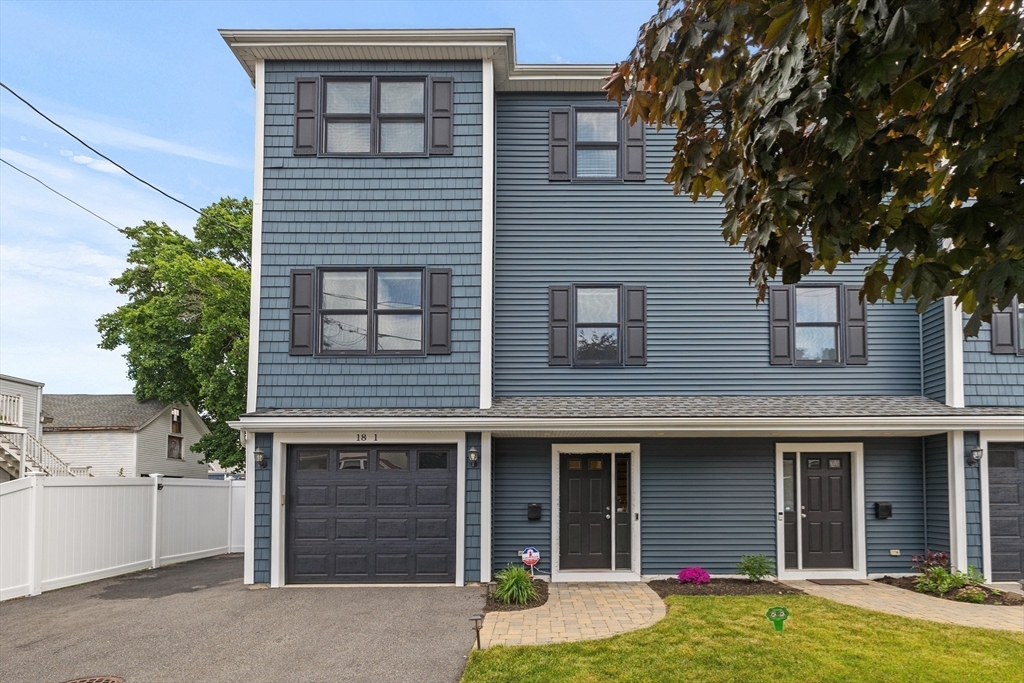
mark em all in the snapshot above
pixel 957 500
pixel 858 512
pixel 633 572
pixel 985 437
pixel 278 488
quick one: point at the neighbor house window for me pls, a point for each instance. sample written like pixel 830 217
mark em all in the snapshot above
pixel 175 421
pixel 371 311
pixel 174 444
pixel 598 324
pixel 367 116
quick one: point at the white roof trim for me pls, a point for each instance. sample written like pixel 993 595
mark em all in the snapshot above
pixel 249 46
pixel 639 425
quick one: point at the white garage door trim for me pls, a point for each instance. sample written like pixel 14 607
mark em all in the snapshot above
pixel 279 485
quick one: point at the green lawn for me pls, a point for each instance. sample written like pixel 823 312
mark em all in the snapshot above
pixel 729 639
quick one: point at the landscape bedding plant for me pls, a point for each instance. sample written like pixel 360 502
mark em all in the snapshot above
pixel 755 567
pixel 992 597
pixel 937 579
pixel 515 586
pixel 694 575
pixel 667 587
pixel 495 605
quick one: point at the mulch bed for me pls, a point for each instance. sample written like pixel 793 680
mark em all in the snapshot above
pixel 542 597
pixel 991 598
pixel 667 587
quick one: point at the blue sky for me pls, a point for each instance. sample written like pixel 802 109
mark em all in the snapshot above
pixel 152 85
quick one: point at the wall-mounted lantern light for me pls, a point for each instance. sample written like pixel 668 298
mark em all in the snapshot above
pixel 261 460
pixel 474 456
pixel 976 454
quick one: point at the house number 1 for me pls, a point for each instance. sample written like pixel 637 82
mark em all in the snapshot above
pixel 362 437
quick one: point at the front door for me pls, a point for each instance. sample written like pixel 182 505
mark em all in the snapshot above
pixel 586 512
pixel 1006 510
pixel 826 511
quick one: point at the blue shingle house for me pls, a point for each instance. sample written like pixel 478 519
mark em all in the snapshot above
pixel 481 322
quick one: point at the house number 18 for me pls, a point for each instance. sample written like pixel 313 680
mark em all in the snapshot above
pixel 362 437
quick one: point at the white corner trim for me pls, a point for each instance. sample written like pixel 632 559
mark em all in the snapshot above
pixel 277 513
pixel 249 555
pixel 487 241
pixel 957 500
pixel 953 326
pixel 631 574
pixel 256 254
pixel 485 507
pixel 858 513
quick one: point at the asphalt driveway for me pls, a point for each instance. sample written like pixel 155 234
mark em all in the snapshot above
pixel 196 622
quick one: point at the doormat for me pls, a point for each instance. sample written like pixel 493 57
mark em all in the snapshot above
pixel 838 582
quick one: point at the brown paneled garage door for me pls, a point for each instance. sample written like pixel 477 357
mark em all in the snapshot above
pixel 371 515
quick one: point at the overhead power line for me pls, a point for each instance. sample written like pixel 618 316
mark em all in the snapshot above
pixel 26 173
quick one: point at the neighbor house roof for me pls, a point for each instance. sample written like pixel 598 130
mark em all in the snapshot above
pixel 98 412
pixel 498 45
pixel 21 380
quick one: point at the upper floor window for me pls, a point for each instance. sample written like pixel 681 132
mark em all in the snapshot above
pixel 370 311
pixel 175 421
pixel 594 143
pixel 373 116
pixel 1008 329
pixel 597 325
pixel 817 325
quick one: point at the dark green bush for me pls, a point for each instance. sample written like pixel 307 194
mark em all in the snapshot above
pixel 515 586
pixel 755 567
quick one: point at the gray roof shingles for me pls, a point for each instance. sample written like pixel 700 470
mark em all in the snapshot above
pixel 603 407
pixel 97 411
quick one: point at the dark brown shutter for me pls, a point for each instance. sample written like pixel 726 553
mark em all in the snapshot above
pixel 1003 332
pixel 636 325
pixel 439 311
pixel 633 167
pixel 559 325
pixel 306 105
pixel 780 315
pixel 856 327
pixel 300 325
pixel 559 131
pixel 442 109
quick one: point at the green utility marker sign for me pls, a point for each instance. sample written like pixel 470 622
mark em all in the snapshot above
pixel 777 615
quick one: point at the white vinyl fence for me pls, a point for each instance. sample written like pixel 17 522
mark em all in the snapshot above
pixel 61 531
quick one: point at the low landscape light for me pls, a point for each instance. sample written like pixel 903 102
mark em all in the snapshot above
pixel 478 623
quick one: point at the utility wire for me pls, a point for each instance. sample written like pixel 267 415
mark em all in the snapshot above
pixel 25 173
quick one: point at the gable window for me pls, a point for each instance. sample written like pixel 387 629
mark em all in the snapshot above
pixel 175 421
pixel 817 325
pixel 174 444
pixel 354 115
pixel 598 324
pixel 594 144
pixel 1008 329
pixel 370 311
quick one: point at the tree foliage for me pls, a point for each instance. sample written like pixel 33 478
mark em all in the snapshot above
pixel 832 127
pixel 186 324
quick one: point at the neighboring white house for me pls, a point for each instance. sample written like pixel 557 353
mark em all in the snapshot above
pixel 19 413
pixel 116 434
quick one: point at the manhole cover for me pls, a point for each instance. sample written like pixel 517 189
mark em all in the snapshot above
pixel 98 679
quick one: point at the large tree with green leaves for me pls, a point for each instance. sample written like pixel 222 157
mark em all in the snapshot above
pixel 186 324
pixel 834 127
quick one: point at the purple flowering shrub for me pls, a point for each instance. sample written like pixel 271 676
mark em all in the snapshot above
pixel 694 575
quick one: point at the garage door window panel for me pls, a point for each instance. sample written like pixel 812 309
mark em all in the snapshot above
pixel 312 460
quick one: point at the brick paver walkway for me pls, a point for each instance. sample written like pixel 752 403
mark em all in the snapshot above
pixel 883 598
pixel 576 611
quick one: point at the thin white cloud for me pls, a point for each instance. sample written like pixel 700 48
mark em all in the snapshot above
pixel 30 163
pixel 82 159
pixel 98 133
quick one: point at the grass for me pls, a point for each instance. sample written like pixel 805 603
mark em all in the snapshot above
pixel 729 639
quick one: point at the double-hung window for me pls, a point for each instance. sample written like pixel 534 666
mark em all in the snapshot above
pixel 817 325
pixel 816 334
pixel 371 311
pixel 374 116
pixel 594 143
pixel 598 318
pixel 597 324
pixel 597 143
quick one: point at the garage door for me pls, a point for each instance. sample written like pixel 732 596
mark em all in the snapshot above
pixel 1006 510
pixel 383 515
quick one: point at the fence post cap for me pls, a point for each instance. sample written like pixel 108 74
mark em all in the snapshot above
pixel 155 476
pixel 35 473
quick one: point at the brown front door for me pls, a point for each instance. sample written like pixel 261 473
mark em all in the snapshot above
pixel 586 513
pixel 826 511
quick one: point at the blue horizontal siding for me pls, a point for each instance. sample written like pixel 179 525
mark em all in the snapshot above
pixel 705 333
pixel 933 348
pixel 893 474
pixel 522 474
pixel 991 379
pixel 937 482
pixel 423 212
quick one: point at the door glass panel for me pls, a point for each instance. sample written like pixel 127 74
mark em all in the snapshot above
pixel 392 460
pixel 595 464
pixel 343 332
pixel 343 290
pixel 788 487
pixel 352 461
pixel 835 464
pixel 433 460
pixel 312 460
pixel 817 305
pixel 622 483
pixel 348 97
pixel 597 344
pixel 597 305
pixel 813 464
pixel 575 464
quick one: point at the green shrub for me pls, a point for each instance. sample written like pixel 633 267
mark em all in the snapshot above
pixel 971 594
pixel 938 580
pixel 515 586
pixel 755 567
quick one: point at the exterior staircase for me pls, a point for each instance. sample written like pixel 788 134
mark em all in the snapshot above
pixel 18 449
